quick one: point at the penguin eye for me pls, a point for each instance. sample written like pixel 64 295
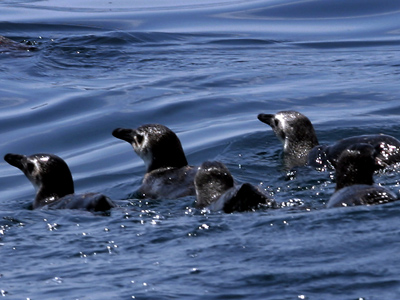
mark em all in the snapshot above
pixel 139 138
pixel 276 122
pixel 30 167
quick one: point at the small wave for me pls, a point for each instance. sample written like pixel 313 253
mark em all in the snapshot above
pixel 337 9
pixel 242 42
pixel 348 44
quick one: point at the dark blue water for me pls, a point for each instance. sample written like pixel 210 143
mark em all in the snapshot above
pixel 205 70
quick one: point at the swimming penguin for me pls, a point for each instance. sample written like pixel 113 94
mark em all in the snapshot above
pixel 8 44
pixel 216 190
pixel 168 174
pixel 354 178
pixel 52 179
pixel 301 147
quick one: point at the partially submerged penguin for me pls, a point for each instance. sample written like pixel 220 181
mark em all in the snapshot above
pixel 7 44
pixel 354 178
pixel 301 147
pixel 168 174
pixel 216 190
pixel 54 185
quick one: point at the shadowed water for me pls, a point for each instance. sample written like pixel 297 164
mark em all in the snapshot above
pixel 206 71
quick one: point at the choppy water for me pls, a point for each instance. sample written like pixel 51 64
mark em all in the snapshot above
pixel 205 70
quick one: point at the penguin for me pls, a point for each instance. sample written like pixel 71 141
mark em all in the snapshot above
pixel 216 191
pixel 51 177
pixel 354 178
pixel 7 44
pixel 301 147
pixel 168 174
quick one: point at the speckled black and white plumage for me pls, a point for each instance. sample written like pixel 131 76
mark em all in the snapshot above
pixel 301 147
pixel 51 177
pixel 354 178
pixel 216 190
pixel 7 44
pixel 296 133
pixel 168 174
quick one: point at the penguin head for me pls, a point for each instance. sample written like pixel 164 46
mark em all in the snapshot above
pixel 356 165
pixel 155 144
pixel 296 132
pixel 48 173
pixel 211 181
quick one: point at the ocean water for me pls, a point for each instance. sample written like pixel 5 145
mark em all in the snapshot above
pixel 205 69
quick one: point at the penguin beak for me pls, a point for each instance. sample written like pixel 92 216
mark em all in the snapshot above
pixel 15 160
pixel 124 134
pixel 266 118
